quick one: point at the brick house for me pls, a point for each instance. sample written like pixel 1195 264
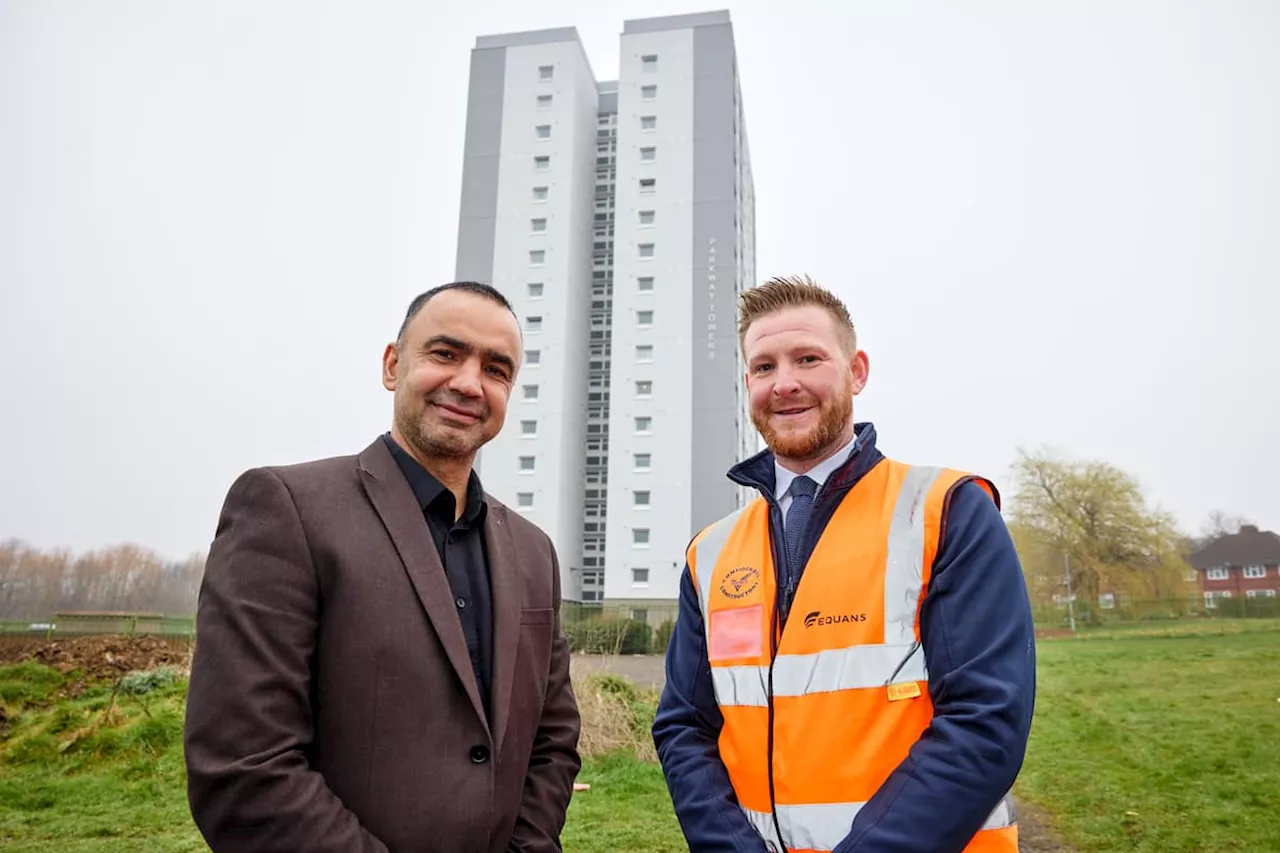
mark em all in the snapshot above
pixel 1239 565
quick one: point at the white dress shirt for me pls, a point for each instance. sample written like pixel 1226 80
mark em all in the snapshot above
pixel 818 473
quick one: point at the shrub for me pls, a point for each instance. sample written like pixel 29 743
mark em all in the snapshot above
pixel 662 637
pixel 616 716
pixel 609 636
pixel 142 682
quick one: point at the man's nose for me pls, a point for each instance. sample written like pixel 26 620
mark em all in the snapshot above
pixel 466 379
pixel 785 381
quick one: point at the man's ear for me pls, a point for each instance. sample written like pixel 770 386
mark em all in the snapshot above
pixel 860 366
pixel 390 359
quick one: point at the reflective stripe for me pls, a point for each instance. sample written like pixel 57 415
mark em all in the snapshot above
pixel 904 565
pixel 850 668
pixel 823 826
pixel 706 553
pixel 1003 815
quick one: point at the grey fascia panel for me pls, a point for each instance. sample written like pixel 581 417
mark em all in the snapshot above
pixel 676 22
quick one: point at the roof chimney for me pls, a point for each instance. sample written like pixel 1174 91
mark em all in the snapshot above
pixel 1248 528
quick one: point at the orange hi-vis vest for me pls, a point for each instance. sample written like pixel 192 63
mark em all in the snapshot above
pixel 818 715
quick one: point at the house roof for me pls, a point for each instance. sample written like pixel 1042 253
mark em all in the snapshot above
pixel 1249 547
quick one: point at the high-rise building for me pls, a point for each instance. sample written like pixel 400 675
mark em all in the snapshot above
pixel 618 218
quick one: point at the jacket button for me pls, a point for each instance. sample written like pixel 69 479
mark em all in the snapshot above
pixel 479 754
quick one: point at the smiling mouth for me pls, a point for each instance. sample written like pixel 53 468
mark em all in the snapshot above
pixel 461 414
pixel 791 412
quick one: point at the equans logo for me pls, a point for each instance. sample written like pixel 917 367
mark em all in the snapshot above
pixel 740 582
pixel 816 618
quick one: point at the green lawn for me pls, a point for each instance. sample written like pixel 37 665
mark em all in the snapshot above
pixel 1144 744
pixel 69 786
pixel 1159 744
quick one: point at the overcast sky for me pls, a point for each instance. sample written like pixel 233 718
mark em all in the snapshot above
pixel 1055 223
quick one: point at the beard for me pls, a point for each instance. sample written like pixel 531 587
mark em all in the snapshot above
pixel 833 419
pixel 437 439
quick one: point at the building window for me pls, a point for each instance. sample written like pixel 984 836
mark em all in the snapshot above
pixel 543 131
pixel 544 102
pixel 649 62
pixel 1217 573
pixel 542 162
pixel 640 497
pixel 648 122
pixel 533 323
pixel 527 463
pixel 538 226
pixel 531 392
pixel 648 185
pixel 533 356
pixel 646 217
pixel 644 424
pixel 644 318
pixel 538 257
pixel 644 461
pixel 524 500
pixel 640 577
pixel 648 155
pixel 644 353
pixel 640 536
pixel 644 387
pixel 535 290
pixel 546 72
pixel 528 427
pixel 646 250
pixel 649 93
pixel 644 283
pixel 1255 571
pixel 539 193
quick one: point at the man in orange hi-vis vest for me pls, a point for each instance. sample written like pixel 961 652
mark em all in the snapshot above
pixel 853 666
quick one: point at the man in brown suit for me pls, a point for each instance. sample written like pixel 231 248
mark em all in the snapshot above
pixel 379 663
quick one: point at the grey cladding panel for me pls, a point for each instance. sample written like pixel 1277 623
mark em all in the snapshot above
pixel 528 37
pixel 478 214
pixel 715 374
pixel 675 22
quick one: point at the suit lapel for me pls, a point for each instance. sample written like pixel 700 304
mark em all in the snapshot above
pixel 391 496
pixel 504 580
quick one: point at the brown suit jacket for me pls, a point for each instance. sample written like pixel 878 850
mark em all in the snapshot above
pixel 333 706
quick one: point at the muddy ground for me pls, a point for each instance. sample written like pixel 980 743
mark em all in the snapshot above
pixel 98 658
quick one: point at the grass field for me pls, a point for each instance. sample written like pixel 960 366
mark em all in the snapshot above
pixel 1159 744
pixel 1142 744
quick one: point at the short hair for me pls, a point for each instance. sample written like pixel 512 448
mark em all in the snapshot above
pixel 487 291
pixel 793 291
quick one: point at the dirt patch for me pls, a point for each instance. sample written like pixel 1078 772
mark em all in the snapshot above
pixel 100 658
pixel 1036 833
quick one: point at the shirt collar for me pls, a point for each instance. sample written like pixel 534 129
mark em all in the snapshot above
pixel 427 489
pixel 818 473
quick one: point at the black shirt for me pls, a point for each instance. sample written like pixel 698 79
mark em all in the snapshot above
pixel 461 547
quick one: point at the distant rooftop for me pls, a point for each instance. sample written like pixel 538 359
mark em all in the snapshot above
pixel 639 25
pixel 1248 547
pixel 676 22
pixel 528 37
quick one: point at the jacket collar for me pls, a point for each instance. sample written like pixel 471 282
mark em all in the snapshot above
pixel 758 471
